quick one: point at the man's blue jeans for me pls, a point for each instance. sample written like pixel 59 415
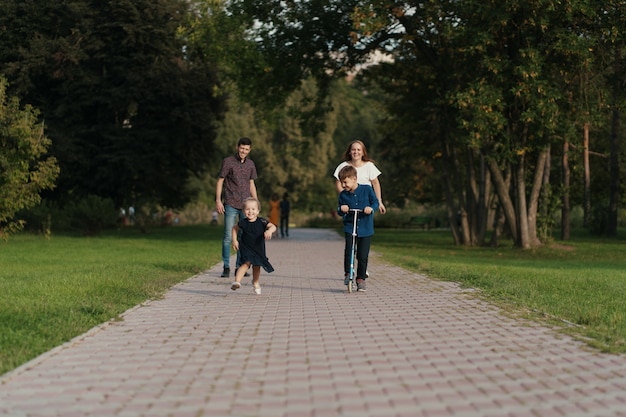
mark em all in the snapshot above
pixel 231 217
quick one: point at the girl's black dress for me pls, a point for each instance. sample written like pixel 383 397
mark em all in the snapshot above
pixel 252 243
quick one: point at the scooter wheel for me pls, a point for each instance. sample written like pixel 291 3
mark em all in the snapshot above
pixel 350 285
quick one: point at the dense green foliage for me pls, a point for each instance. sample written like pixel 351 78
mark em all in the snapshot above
pixel 25 169
pixel 483 97
pixel 299 125
pixel 49 297
pixel 129 115
pixel 296 149
pixel 475 105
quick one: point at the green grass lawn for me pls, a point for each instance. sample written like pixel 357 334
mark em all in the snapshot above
pixel 579 285
pixel 54 290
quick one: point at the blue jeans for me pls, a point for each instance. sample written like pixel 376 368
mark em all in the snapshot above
pixel 231 217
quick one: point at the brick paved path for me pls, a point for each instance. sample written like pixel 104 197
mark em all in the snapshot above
pixel 408 347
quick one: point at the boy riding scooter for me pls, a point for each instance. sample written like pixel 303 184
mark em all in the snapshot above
pixel 362 198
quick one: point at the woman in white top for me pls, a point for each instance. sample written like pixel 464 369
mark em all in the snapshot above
pixel 367 173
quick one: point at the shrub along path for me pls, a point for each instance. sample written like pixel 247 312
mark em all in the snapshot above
pixel 409 346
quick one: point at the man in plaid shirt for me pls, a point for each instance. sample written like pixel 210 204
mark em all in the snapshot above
pixel 236 181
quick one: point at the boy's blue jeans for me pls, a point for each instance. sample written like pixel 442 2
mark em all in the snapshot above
pixel 362 254
pixel 231 217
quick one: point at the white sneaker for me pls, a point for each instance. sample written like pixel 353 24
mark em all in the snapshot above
pixel 257 290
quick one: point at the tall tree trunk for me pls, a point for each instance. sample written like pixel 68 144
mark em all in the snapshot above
pixel 500 219
pixel 462 199
pixel 565 202
pixel 484 192
pixel 502 189
pixel 522 213
pixel 533 201
pixel 587 179
pixel 470 224
pixel 614 176
pixel 498 228
pixel 546 198
pixel 452 209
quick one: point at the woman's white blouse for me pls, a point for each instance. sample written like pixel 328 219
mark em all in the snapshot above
pixel 364 174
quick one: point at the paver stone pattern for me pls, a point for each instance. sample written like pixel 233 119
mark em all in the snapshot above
pixel 410 346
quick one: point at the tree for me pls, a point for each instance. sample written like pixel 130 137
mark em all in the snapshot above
pixel 481 94
pixel 299 123
pixel 295 149
pixel 25 169
pixel 613 44
pixel 131 116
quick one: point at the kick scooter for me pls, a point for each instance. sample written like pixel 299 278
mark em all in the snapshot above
pixel 351 276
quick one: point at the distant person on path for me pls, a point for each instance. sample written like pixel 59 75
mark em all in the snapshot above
pixel 274 216
pixel 362 197
pixel 236 180
pixel 251 243
pixel 131 215
pixel 285 208
pixel 121 217
pixel 367 172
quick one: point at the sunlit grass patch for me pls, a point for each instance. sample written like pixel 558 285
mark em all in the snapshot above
pixel 53 290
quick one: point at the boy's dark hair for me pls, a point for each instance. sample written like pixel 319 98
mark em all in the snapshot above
pixel 347 171
pixel 244 141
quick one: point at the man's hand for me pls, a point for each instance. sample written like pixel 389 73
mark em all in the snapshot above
pixel 219 206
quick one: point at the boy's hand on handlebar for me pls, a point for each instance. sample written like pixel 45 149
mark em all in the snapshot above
pixel 345 208
pixel 367 210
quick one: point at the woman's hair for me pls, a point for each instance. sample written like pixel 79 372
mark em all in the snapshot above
pixel 347 156
pixel 251 199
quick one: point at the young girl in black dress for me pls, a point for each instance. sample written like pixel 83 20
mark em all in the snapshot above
pixel 255 231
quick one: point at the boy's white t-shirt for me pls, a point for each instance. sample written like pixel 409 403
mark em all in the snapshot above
pixel 364 174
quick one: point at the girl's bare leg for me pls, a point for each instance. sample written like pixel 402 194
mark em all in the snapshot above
pixel 256 273
pixel 239 276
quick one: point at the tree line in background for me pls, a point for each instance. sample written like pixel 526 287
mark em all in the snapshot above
pixel 503 112
pixel 510 109
pixel 139 107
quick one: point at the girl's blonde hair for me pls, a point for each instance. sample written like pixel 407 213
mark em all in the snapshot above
pixel 250 199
